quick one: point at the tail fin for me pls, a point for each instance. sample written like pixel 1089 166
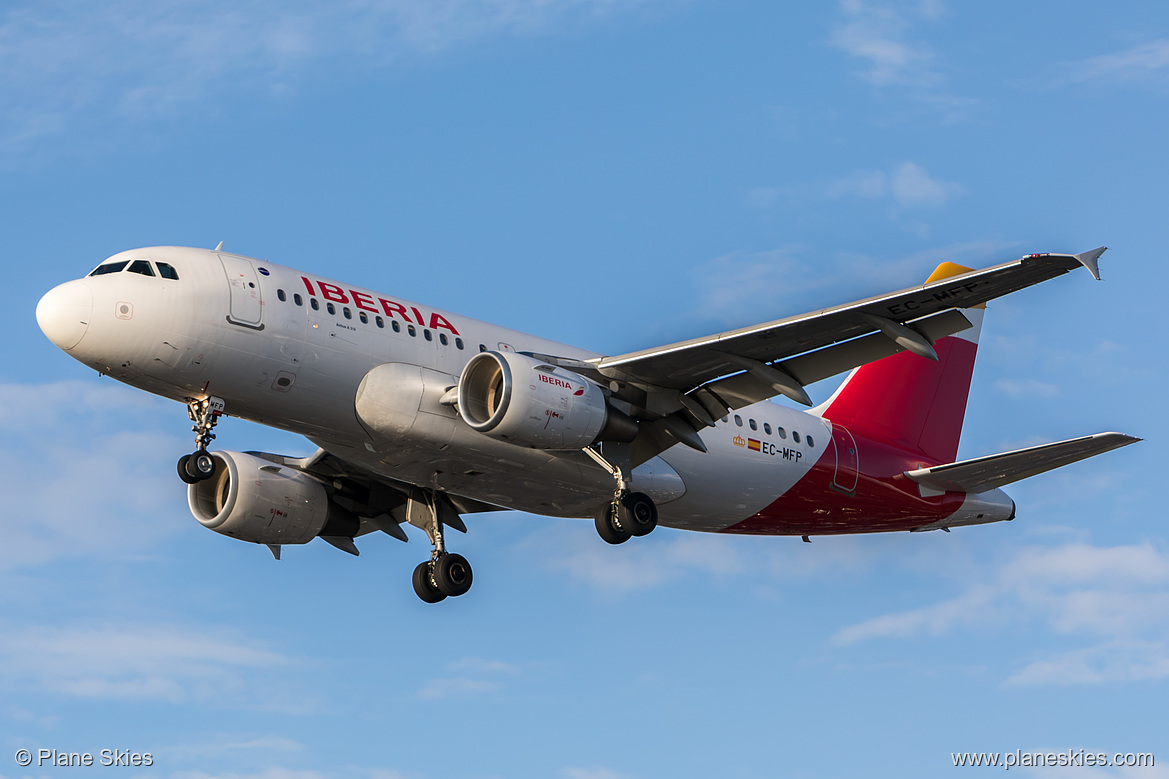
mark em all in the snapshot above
pixel 909 400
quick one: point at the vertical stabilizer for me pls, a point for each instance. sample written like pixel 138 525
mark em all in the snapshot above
pixel 909 400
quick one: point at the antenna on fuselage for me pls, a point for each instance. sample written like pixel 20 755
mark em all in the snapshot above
pixel 219 246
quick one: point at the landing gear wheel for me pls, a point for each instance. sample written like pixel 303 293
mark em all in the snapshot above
pixel 199 466
pixel 452 574
pixel 637 514
pixel 424 586
pixel 183 474
pixel 607 529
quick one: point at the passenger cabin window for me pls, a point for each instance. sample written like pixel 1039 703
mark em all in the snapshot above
pixel 280 294
pixel 313 302
pixel 364 317
pixel 781 432
pixel 380 322
pixel 297 299
pixel 767 428
pixel 795 436
pixel 427 335
pixel 738 420
pixel 142 267
pixel 109 267
pixel 410 329
pixel 458 343
pixel 751 422
pixel 348 314
pixel 442 339
pixel 809 441
pixel 331 308
pixel 394 324
pixel 167 271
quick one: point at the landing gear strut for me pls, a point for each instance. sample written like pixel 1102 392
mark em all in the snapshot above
pixel 629 513
pixel 445 574
pixel 200 465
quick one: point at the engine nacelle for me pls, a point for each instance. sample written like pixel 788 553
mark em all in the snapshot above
pixel 255 500
pixel 528 402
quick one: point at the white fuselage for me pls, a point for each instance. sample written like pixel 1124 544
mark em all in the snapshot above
pixel 290 350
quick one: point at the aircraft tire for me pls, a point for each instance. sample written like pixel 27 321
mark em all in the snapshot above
pixel 452 574
pixel 637 513
pixel 607 530
pixel 200 465
pixel 184 474
pixel 423 586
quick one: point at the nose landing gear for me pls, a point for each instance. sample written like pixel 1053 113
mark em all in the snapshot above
pixel 200 465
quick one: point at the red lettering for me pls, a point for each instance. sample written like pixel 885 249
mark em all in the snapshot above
pixel 308 285
pixel 420 319
pixel 362 300
pixel 390 308
pixel 437 321
pixel 332 292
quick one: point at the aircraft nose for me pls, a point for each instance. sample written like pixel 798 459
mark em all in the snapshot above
pixel 64 312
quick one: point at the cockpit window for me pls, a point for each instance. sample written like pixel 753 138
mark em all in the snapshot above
pixel 109 267
pixel 168 271
pixel 141 266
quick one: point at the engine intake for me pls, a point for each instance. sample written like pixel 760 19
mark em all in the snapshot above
pixel 253 499
pixel 528 402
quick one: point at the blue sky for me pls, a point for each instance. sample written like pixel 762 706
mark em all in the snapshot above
pixel 616 175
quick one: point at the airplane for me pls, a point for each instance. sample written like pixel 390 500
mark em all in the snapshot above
pixel 422 416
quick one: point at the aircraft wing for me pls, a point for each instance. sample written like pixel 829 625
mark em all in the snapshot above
pixel 996 470
pixel 688 385
pixel 686 365
pixel 381 503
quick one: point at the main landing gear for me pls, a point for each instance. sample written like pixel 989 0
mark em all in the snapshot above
pixel 629 514
pixel 445 574
pixel 200 465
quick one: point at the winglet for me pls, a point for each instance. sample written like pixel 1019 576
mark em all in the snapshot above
pixel 1090 261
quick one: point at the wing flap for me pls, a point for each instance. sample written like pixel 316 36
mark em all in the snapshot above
pixel 746 388
pixel 996 470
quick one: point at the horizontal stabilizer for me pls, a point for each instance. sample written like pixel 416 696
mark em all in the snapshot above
pixel 986 473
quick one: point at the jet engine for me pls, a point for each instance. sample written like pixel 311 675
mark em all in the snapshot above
pixel 528 402
pixel 256 500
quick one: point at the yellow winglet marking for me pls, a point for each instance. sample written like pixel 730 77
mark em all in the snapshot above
pixel 948 269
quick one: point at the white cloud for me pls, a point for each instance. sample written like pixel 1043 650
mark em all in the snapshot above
pixel 83 472
pixel 100 65
pixel 267 773
pixel 912 187
pixel 593 773
pixel 1118 593
pixel 631 567
pixel 167 663
pixel 481 666
pixel 907 187
pixel 742 288
pixel 1118 661
pixel 1140 62
pixel 1026 388
pixel 456 687
pixel 877 34
pixel 470 681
